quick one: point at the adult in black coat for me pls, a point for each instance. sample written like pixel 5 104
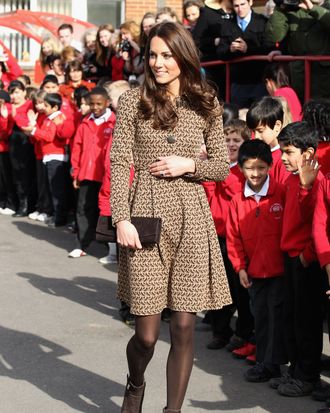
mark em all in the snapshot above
pixel 242 36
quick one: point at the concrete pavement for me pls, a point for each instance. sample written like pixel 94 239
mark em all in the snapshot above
pixel 62 345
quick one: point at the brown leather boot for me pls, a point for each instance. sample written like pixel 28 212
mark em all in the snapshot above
pixel 166 410
pixel 133 398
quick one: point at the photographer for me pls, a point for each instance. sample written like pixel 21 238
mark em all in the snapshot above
pixel 128 56
pixel 303 28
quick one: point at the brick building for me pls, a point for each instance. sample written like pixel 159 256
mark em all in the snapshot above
pixel 134 10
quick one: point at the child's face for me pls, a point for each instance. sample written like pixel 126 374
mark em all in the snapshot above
pixel 292 156
pixel 75 75
pixel 50 87
pixel 255 172
pixel 233 141
pixel 40 105
pixel 98 105
pixel 84 107
pixel 49 110
pixel 18 96
pixel 267 134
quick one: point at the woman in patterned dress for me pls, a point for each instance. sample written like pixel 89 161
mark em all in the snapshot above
pixel 163 125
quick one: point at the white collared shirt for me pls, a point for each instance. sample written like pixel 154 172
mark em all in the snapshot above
pixel 104 118
pixel 54 114
pixel 257 195
pixel 275 148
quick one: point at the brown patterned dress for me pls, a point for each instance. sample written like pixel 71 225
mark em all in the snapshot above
pixel 185 272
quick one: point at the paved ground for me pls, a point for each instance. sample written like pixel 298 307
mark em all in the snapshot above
pixel 62 345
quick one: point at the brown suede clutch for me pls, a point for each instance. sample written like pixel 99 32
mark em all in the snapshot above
pixel 148 228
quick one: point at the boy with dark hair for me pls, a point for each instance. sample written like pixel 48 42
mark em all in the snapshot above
pixel 303 277
pixel 54 135
pixel 88 152
pixel 219 195
pixel 265 118
pixel 253 240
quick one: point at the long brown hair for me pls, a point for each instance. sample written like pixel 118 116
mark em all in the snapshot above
pixel 155 102
pixel 103 53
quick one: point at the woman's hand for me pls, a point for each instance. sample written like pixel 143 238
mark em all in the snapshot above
pixel 172 166
pixel 127 235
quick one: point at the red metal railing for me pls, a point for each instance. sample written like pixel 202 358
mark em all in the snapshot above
pixel 279 58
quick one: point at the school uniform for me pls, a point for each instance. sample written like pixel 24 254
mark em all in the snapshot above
pixel 219 195
pixel 54 139
pixel 90 145
pixel 8 197
pixel 303 286
pixel 278 170
pixel 22 160
pixel 253 240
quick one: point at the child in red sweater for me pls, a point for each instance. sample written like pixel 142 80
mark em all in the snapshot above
pixel 219 195
pixel 265 118
pixel 303 277
pixel 54 135
pixel 253 240
pixel 90 145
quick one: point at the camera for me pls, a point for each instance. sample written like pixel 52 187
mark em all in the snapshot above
pixel 125 46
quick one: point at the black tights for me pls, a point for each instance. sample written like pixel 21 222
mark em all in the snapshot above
pixel 140 350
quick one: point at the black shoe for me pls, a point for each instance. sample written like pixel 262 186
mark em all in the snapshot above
pixel 217 343
pixel 260 373
pixel 52 223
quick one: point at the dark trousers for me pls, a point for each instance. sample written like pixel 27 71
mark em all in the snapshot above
pixel 23 169
pixel 8 197
pixel 267 299
pixel 220 319
pixel 44 202
pixel 303 318
pixel 87 212
pixel 58 180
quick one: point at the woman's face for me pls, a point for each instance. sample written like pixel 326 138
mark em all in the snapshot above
pixel 17 97
pixel 162 63
pixel 192 14
pixel 126 35
pixel 105 38
pixel 76 75
pixel 47 49
pixel 147 25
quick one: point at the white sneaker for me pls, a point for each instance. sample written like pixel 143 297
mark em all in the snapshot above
pixel 42 217
pixel 77 253
pixel 109 259
pixel 34 215
pixel 7 211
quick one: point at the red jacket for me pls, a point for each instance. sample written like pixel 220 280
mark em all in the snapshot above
pixel 117 64
pixel 278 170
pixel 219 195
pixel 6 129
pixel 20 113
pixel 90 145
pixel 36 143
pixel 53 138
pixel 293 102
pixel 254 233
pixel 66 90
pixel 298 218
pixel 14 71
pixel 321 227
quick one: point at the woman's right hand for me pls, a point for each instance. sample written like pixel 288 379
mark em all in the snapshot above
pixel 127 235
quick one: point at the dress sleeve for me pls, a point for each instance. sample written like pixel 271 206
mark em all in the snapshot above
pixel 121 156
pixel 216 167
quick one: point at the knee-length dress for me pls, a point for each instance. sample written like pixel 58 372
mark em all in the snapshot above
pixel 185 271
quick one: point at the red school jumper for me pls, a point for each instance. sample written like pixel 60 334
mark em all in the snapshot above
pixel 6 129
pixel 321 228
pixel 90 144
pixel 298 217
pixel 278 170
pixel 254 232
pixel 219 195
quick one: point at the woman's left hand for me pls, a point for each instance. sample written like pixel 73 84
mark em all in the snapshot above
pixel 172 166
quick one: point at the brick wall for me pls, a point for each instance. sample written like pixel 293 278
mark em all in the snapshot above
pixel 135 9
